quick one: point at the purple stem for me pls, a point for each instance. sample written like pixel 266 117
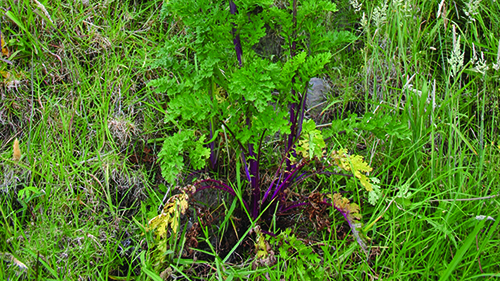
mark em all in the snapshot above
pixel 300 166
pixel 354 231
pixel 298 178
pixel 242 153
pixel 293 119
pixel 245 165
pixel 302 110
pixel 236 37
pixel 302 178
pixel 254 173
pixel 294 22
pixel 260 145
pixel 218 185
pixel 258 162
pixel 344 213
pixel 268 233
pixel 213 160
pixel 276 175
pixel 271 187
pixel 222 186
pixel 234 136
pixel 295 206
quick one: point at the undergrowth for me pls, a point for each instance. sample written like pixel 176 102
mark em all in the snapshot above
pixel 159 140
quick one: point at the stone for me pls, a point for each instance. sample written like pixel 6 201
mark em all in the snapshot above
pixel 316 96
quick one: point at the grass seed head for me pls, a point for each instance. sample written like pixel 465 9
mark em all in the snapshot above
pixel 471 9
pixel 456 59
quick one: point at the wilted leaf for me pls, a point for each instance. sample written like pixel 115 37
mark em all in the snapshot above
pixel 354 163
pixel 350 211
pixel 170 215
pixel 5 51
pixel 264 256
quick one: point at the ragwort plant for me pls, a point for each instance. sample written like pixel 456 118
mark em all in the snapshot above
pixel 220 83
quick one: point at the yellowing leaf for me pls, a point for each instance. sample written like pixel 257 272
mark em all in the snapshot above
pixel 160 223
pixel 339 201
pixel 343 205
pixel 365 181
pixel 358 164
pixel 354 163
pixel 261 246
pixel 5 74
pixel 169 217
pixel 5 51
pixel 311 143
pixel 303 148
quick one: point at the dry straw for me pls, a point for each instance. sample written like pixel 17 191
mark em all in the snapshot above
pixel 44 11
pixel 17 151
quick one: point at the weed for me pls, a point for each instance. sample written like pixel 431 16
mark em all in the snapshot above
pixel 74 92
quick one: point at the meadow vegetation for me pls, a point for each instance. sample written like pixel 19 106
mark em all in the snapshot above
pixel 166 140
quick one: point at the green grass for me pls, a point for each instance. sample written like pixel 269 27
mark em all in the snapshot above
pixel 89 128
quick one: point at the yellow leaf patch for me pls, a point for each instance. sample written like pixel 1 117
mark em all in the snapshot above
pixel 354 163
pixel 5 51
pixel 169 217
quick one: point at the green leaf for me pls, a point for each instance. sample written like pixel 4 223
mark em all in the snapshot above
pixel 315 65
pixel 194 106
pixel 374 195
pixel 289 70
pixel 170 156
pixel 255 82
pixel 311 143
pixel 199 154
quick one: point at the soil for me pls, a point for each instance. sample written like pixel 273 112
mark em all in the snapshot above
pixel 305 221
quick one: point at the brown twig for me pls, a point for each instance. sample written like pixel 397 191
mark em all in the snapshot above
pixel 478 260
pixel 465 199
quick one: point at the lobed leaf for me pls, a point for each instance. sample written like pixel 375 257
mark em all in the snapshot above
pixel 171 155
pixel 350 211
pixel 169 217
pixel 311 143
pixel 354 163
